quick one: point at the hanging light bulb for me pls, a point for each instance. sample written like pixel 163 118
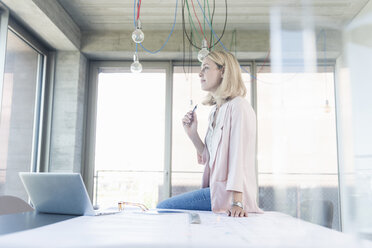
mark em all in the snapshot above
pixel 136 66
pixel 327 108
pixel 138 36
pixel 204 51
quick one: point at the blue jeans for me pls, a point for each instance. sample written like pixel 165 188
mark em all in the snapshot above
pixel 194 200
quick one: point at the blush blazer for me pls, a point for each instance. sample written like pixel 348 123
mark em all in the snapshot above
pixel 232 157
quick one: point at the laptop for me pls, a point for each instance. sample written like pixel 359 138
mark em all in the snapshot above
pixel 59 193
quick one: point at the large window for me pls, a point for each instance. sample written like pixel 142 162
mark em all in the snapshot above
pixel 19 114
pixel 297 146
pixel 129 151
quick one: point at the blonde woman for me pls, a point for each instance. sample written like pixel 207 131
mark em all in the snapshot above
pixel 228 151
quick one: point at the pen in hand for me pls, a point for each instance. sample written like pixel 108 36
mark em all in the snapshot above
pixel 194 108
pixel 192 113
pixel 189 117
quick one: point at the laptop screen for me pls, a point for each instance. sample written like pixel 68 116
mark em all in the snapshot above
pixel 57 193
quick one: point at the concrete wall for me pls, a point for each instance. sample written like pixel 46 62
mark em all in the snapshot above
pixel 252 44
pixel 67 114
pixel 48 21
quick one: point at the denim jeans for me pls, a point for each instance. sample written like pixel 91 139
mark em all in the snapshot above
pixel 194 200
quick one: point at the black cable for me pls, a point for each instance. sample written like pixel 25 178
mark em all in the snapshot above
pixel 235 42
pixel 183 25
pixel 183 49
pixel 224 26
pixel 214 8
pixel 190 55
pixel 190 68
pixel 184 28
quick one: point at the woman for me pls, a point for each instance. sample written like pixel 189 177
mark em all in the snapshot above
pixel 229 179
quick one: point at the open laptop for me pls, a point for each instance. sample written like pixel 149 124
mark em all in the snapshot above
pixel 59 193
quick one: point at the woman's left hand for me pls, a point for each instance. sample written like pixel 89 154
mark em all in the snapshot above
pixel 236 211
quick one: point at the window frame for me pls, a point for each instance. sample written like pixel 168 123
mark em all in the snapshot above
pixel 42 51
pixel 91 112
pixel 95 67
pixel 4 19
pixel 10 24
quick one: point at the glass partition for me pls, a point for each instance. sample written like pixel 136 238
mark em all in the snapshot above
pixel 355 120
pixel 297 145
pixel 17 124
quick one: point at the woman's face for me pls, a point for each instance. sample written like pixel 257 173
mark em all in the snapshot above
pixel 210 75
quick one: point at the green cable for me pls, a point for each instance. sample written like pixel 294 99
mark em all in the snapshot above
pixel 232 39
pixel 191 22
pixel 209 14
pixel 192 27
pixel 204 18
pixel 235 42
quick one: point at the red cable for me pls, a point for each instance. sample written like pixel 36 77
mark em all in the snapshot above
pixel 201 29
pixel 138 8
pixel 265 61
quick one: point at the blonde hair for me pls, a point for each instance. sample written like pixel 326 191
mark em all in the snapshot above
pixel 232 84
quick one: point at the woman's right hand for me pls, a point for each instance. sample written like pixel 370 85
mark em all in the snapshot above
pixel 190 123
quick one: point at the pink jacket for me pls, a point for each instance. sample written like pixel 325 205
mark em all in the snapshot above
pixel 234 167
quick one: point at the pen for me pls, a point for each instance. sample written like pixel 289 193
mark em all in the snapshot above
pixel 194 108
pixel 192 114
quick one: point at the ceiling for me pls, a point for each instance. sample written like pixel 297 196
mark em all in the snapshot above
pixel 101 29
pixel 115 15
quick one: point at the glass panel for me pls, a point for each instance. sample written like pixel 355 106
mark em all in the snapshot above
pixel 297 149
pixel 17 115
pixel 354 121
pixel 186 172
pixel 129 152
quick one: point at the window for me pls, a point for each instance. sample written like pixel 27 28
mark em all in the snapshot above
pixel 19 114
pixel 297 146
pixel 130 126
pixel 297 156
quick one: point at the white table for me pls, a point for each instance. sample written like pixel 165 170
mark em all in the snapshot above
pixel 134 229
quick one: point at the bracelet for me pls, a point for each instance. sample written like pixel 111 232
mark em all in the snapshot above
pixel 238 204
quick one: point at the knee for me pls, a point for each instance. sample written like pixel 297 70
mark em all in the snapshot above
pixel 162 204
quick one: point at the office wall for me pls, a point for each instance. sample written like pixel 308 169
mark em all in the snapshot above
pixel 68 112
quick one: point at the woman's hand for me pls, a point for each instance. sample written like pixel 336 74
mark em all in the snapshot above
pixel 236 211
pixel 190 124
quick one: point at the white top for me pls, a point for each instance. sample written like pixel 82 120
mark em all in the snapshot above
pixel 208 138
pixel 211 139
